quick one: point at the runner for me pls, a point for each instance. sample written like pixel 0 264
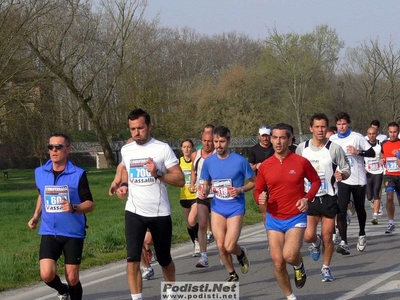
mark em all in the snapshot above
pixel 377 125
pixel 356 148
pixel 225 172
pixel 374 171
pixel 331 164
pixel 282 177
pixel 391 179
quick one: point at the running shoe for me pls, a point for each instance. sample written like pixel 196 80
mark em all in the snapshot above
pixel 300 276
pixel 390 228
pixel 203 262
pixel 315 248
pixel 336 239
pixel 362 243
pixel 374 221
pixel 230 281
pixel 326 275
pixel 63 296
pixel 342 248
pixel 380 213
pixel 348 219
pixel 371 203
pixel 210 238
pixel 148 274
pixel 196 252
pixel 244 262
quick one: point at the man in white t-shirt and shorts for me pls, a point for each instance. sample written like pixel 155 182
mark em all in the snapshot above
pixel 149 166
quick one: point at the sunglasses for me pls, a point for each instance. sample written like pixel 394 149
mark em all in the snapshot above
pixel 57 146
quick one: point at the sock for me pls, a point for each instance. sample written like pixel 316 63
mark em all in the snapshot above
pixel 391 221
pixel 325 266
pixel 239 257
pixel 299 266
pixel 291 297
pixel 375 215
pixel 137 296
pixel 58 285
pixel 76 291
pixel 204 254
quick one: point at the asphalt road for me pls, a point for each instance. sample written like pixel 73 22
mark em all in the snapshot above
pixel 369 275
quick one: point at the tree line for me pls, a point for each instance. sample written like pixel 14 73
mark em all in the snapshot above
pixel 80 65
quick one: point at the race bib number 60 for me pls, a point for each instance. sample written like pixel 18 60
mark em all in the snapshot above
pixel 53 195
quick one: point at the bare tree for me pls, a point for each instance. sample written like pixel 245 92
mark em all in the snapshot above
pixel 88 49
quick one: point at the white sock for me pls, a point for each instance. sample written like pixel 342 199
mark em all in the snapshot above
pixel 325 266
pixel 204 254
pixel 291 297
pixel 137 296
pixel 391 221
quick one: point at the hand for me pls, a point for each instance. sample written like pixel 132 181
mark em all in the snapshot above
pixel 121 192
pixel 262 198
pixel 234 192
pixel 338 176
pixel 302 204
pixel 113 188
pixel 350 149
pixel 151 167
pixel 192 189
pixel 66 206
pixel 32 223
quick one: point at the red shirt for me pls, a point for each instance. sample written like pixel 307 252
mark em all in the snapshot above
pixel 388 147
pixel 284 180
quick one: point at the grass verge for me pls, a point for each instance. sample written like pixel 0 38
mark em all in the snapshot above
pixel 105 240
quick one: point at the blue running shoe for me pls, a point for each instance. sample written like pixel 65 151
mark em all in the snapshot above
pixel 326 275
pixel 315 248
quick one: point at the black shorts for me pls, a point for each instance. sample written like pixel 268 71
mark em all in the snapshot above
pixel 187 203
pixel 206 202
pixel 374 184
pixel 326 206
pixel 53 246
pixel 392 182
pixel 161 232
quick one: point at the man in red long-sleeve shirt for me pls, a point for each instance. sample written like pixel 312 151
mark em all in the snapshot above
pixel 280 186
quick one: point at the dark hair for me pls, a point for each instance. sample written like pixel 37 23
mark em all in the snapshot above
pixel 187 140
pixel 319 116
pixel 66 137
pixel 393 124
pixel 342 115
pixel 375 123
pixel 137 113
pixel 284 126
pixel 222 131
pixel 332 129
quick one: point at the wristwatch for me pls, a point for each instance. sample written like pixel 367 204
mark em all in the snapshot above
pixel 159 174
pixel 242 190
pixel 74 207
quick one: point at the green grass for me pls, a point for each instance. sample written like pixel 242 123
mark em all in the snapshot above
pixel 105 240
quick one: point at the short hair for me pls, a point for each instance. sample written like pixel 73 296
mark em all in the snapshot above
pixel 284 126
pixel 222 131
pixel 332 129
pixel 319 116
pixel 137 113
pixel 375 123
pixel 393 124
pixel 211 126
pixel 66 137
pixel 343 115
pixel 187 140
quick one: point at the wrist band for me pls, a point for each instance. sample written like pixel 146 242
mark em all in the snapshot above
pixel 124 184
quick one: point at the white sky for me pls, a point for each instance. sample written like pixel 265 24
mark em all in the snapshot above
pixel 355 21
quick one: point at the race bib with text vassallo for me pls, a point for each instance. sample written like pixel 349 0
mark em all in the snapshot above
pixel 53 195
pixel 138 173
pixel 221 188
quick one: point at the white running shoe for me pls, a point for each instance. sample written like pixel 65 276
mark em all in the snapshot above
pixel 148 273
pixel 390 228
pixel 203 262
pixel 362 243
pixel 342 248
pixel 196 252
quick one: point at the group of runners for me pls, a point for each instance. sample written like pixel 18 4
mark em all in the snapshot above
pixel 296 188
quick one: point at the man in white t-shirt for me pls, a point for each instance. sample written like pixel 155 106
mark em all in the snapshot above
pixel 356 148
pixel 377 125
pixel 149 166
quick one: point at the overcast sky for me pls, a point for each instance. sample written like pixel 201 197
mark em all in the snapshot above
pixel 355 21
